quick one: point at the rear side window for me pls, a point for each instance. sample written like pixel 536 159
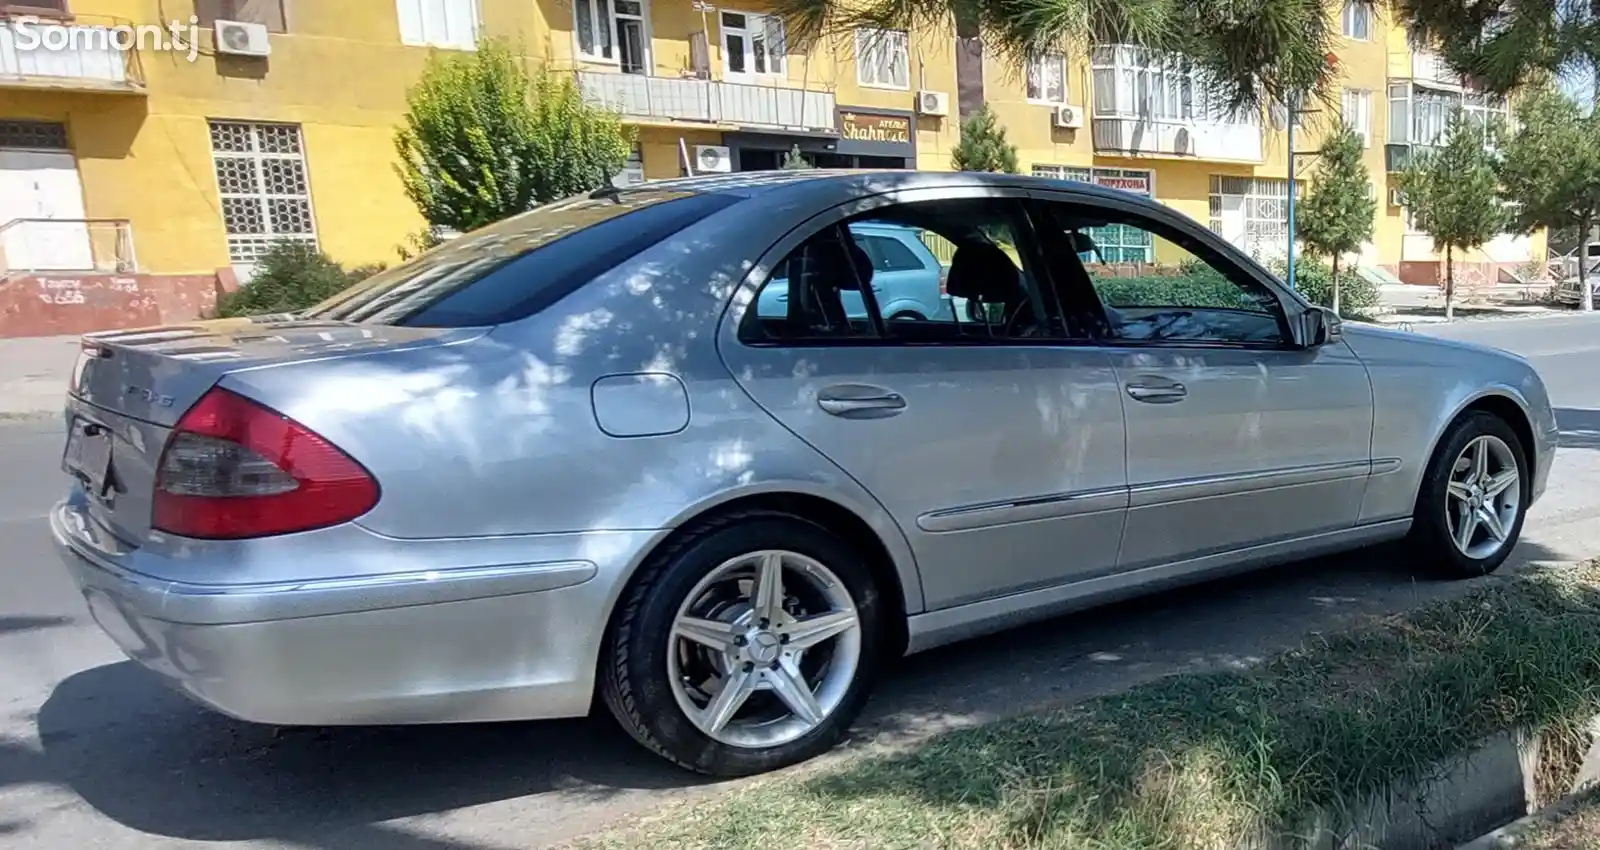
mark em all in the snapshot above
pixel 517 267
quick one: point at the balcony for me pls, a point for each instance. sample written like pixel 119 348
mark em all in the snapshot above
pixel 1430 69
pixel 97 245
pixel 82 55
pixel 1147 104
pixel 667 99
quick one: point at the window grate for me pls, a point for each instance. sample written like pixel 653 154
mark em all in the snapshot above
pixel 34 135
pixel 261 177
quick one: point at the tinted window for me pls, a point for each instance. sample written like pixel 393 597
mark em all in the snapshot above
pixel 1181 292
pixel 888 254
pixel 519 266
pixel 994 292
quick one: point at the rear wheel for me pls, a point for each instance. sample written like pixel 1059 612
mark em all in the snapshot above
pixel 747 645
pixel 906 316
pixel 1473 499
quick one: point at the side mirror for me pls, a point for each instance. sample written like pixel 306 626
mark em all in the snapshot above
pixel 1319 326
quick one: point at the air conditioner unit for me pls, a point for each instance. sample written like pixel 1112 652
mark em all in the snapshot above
pixel 1067 117
pixel 712 159
pixel 1183 141
pixel 243 39
pixel 933 103
pixel 1397 198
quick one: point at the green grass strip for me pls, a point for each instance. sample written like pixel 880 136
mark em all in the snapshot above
pixel 1197 761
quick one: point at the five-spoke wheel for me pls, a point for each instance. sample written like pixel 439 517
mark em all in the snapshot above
pixel 1473 497
pixel 746 644
pixel 764 648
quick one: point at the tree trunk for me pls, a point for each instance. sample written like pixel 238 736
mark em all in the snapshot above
pixel 1449 284
pixel 1583 263
pixel 1334 274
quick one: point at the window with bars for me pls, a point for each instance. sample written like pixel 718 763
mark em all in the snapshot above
pixel 1252 213
pixel 33 135
pixel 261 175
pixel 1117 243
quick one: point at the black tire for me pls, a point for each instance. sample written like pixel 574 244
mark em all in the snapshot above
pixel 907 316
pixel 633 666
pixel 1430 533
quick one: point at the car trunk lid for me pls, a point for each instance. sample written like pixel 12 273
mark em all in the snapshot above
pixel 129 388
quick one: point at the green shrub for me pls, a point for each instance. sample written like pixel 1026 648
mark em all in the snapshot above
pixel 1358 296
pixel 290 276
pixel 1193 286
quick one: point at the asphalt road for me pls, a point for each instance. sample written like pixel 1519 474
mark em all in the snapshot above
pixel 95 754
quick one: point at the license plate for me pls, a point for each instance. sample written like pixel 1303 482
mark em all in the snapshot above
pixel 88 454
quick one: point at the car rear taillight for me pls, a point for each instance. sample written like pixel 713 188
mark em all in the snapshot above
pixel 944 281
pixel 234 469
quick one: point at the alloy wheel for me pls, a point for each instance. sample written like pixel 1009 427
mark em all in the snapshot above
pixel 764 649
pixel 1484 497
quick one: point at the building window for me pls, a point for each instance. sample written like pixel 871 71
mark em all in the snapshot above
pixel 1145 85
pixel 1047 78
pixel 753 45
pixel 269 13
pixel 632 173
pixel 52 8
pixel 261 175
pixel 1116 243
pixel 33 135
pixel 1252 213
pixel 613 31
pixel 439 23
pixel 1357 113
pixel 1357 20
pixel 883 58
pixel 1484 111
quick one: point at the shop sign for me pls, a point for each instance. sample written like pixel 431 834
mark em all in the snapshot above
pixel 876 127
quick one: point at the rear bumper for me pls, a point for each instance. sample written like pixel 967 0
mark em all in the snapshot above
pixel 463 642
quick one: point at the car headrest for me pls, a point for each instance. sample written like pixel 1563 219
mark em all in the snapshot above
pixel 980 271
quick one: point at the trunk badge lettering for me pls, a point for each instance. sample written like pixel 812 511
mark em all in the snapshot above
pixel 149 396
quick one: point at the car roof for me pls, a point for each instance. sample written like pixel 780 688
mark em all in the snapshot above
pixel 844 184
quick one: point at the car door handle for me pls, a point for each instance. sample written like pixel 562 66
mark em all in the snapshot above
pixel 1157 391
pixel 859 402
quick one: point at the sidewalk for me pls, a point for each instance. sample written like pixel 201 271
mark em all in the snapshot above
pixel 1409 304
pixel 34 373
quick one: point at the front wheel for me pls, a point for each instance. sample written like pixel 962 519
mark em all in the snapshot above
pixel 1473 500
pixel 747 645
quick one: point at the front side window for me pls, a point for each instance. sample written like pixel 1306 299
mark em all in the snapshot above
pixel 439 23
pixel 1188 294
pixel 261 177
pixel 834 288
pixel 753 45
pixel 1047 78
pixel 883 58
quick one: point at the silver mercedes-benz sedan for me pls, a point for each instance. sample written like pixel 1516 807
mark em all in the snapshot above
pixel 575 458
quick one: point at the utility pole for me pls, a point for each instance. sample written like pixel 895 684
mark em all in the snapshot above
pixel 1293 108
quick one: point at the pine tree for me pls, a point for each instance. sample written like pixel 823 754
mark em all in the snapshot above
pixel 1453 195
pixel 1551 171
pixel 1339 213
pixel 983 145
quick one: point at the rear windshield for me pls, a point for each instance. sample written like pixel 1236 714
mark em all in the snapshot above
pixel 517 267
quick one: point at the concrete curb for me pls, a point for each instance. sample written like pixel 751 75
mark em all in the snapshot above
pixel 1499 781
pixel 1512 834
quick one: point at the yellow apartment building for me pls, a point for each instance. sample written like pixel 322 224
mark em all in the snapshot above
pixel 1123 117
pixel 137 175
pixel 122 156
